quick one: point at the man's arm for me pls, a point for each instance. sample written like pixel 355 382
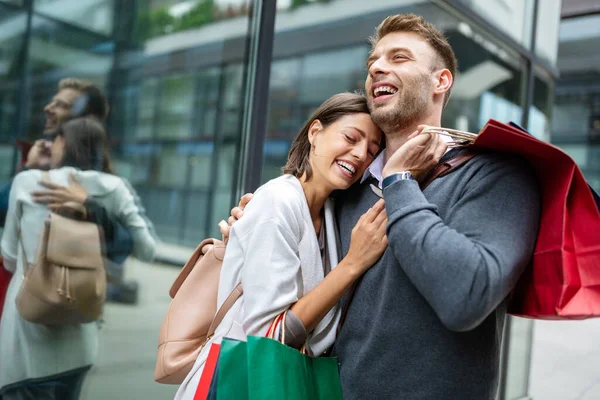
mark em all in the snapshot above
pixel 466 265
pixel 119 243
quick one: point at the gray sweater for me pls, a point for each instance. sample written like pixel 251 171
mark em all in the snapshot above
pixel 426 320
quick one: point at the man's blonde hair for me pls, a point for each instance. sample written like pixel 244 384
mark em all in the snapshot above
pixel 427 31
pixel 74 83
pixel 96 104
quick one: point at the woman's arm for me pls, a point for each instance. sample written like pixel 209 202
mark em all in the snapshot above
pixel 367 244
pixel 272 267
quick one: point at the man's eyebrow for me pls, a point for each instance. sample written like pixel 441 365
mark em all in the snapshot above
pixel 393 50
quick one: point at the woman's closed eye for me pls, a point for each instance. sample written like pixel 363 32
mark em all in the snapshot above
pixel 349 138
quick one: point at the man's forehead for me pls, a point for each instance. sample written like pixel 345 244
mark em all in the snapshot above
pixel 409 41
pixel 67 95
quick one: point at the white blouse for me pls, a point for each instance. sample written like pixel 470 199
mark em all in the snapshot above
pixel 274 251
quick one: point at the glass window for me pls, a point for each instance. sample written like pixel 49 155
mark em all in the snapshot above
pixel 518 12
pixel 58 50
pixel 576 112
pixel 540 110
pixel 548 22
pixel 96 16
pixel 175 110
pixel 12 29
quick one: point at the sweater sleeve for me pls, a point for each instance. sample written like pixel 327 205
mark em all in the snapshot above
pixel 466 265
pixel 144 244
pixel 119 243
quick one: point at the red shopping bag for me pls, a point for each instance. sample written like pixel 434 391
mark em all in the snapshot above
pixel 207 372
pixel 563 280
pixel 5 277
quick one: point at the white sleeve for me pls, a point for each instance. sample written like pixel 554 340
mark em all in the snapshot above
pixel 10 237
pixel 270 275
pixel 144 244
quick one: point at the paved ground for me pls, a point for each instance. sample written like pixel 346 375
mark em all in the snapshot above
pixel 565 361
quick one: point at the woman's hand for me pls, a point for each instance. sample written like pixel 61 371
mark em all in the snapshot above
pixel 236 213
pixel 56 195
pixel 368 240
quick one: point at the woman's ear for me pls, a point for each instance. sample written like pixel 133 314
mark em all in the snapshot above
pixel 313 130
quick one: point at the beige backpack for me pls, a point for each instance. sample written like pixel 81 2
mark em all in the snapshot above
pixel 67 282
pixel 192 316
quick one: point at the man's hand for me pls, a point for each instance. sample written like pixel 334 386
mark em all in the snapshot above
pixel 419 155
pixel 57 195
pixel 39 155
pixel 236 213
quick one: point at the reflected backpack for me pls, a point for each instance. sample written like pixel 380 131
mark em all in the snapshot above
pixel 67 282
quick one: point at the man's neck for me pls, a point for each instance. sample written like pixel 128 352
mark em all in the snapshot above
pixel 394 140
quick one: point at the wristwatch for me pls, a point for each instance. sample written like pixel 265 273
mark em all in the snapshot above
pixel 398 176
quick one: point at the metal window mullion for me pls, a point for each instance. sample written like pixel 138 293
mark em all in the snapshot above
pixel 260 53
pixel 21 117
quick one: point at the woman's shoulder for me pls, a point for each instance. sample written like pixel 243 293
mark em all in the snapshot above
pixel 284 192
pixel 26 180
pixel 281 200
pixel 99 183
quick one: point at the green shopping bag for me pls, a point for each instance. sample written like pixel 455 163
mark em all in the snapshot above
pixel 232 378
pixel 263 368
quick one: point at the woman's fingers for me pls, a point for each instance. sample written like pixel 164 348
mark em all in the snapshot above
pixel 374 211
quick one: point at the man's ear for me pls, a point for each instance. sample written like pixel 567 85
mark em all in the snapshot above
pixel 444 81
pixel 313 130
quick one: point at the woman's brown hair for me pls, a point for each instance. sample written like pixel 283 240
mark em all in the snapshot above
pixel 330 111
pixel 86 144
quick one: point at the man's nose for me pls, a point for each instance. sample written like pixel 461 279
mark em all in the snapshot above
pixel 379 66
pixel 48 107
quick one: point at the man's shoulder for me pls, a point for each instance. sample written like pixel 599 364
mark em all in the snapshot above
pixel 498 163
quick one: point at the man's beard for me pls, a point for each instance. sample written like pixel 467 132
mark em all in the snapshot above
pixel 411 104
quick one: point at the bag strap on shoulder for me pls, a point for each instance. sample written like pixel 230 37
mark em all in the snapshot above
pixel 229 302
pixel 447 166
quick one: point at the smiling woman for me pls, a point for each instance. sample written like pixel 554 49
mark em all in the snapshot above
pixel 284 250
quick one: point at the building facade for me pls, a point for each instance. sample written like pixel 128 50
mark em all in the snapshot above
pixel 576 116
pixel 207 95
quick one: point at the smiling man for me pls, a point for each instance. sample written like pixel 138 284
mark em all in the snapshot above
pixel 426 321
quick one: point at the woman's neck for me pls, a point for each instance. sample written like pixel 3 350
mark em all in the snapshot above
pixel 316 195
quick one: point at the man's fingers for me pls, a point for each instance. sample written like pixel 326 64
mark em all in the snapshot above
pixel 413 135
pixel 73 181
pixel 237 213
pixel 440 149
pixel 245 200
pixel 49 185
pixel 43 199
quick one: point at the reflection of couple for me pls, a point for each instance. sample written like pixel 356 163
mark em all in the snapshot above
pixel 426 321
pixel 51 362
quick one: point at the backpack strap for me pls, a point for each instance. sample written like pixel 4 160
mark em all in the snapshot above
pixel 229 302
pixel 442 169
